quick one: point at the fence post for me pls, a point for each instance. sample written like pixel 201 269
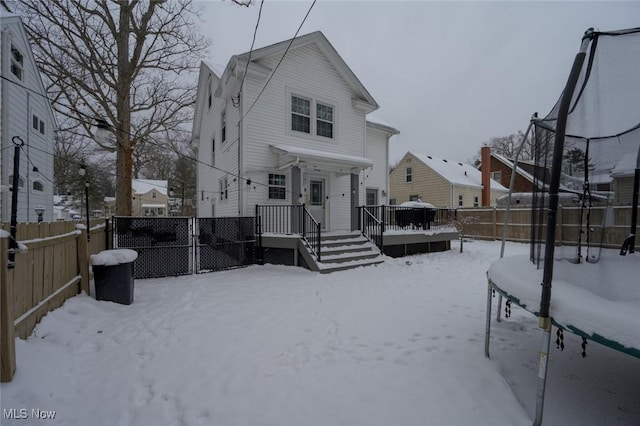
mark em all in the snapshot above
pixel 7 337
pixel 83 260
pixel 106 233
pixel 495 224
pixel 560 227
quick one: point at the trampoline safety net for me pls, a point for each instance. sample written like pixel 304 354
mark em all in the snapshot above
pixel 601 151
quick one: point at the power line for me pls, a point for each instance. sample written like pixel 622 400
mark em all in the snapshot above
pixel 236 101
pixel 280 61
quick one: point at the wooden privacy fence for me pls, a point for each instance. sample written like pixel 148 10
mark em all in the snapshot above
pixel 610 225
pixel 54 268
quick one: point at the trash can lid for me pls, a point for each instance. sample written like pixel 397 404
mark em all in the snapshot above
pixel 114 257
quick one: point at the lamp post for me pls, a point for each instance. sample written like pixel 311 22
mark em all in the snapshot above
pixel 82 172
pixel 39 211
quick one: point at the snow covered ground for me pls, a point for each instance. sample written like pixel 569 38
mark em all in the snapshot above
pixel 396 344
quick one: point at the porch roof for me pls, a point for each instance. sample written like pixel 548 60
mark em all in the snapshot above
pixel 322 160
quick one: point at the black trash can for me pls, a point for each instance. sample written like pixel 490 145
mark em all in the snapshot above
pixel 113 275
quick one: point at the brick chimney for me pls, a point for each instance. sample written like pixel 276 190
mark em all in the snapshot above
pixel 485 157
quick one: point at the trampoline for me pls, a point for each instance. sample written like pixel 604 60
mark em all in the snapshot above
pixel 589 146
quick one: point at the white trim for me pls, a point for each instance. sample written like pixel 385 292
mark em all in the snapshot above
pixel 328 160
pixel 313 101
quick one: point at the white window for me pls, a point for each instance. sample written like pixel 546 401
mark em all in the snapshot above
pixel 497 176
pixel 372 197
pixel 153 194
pixel 475 201
pixel 414 197
pixel 21 181
pixel 37 186
pixel 223 125
pixel 37 124
pixel 312 117
pixel 277 186
pixel 324 122
pixel 300 114
pixel 224 192
pixel 17 62
pixel 460 201
pixel 210 89
pixel 409 175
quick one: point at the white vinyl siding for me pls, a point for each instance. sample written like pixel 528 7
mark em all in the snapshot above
pixel 19 103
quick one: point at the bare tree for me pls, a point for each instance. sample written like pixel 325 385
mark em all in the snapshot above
pixel 123 61
pixel 508 145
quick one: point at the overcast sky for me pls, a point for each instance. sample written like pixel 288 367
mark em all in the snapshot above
pixel 448 75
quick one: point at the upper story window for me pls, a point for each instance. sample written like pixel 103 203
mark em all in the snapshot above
pixel 460 201
pixel 210 90
pixel 20 181
pixel 277 186
pixel 300 114
pixel 409 175
pixel 497 176
pixel 324 122
pixel 17 62
pixel 153 194
pixel 223 125
pixel 37 124
pixel 224 192
pixel 37 186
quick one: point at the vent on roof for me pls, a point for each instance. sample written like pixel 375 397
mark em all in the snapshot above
pixel 444 160
pixel 429 157
pixel 460 164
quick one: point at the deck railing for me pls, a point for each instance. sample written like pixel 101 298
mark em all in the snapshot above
pixel 289 219
pixel 398 218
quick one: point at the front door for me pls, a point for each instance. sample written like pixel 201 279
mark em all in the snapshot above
pixel 317 199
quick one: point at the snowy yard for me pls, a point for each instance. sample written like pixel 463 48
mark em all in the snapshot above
pixel 397 344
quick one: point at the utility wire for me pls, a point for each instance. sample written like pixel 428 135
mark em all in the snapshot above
pixel 236 101
pixel 280 61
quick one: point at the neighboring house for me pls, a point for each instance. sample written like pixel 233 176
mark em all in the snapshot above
pixel 623 175
pixel 25 113
pixel 500 171
pixel 150 198
pixel 443 183
pixel 295 135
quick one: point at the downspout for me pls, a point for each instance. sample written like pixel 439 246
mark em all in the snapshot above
pixel 28 182
pixel 554 185
pixel 240 162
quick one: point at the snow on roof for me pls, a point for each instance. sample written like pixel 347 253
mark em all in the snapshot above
pixel 142 186
pixel 509 163
pixel 457 173
pixel 322 155
pixel 624 167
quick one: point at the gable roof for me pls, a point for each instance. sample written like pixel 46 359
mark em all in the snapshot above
pixel 206 69
pixel 142 186
pixel 319 40
pixel 457 173
pixel 519 170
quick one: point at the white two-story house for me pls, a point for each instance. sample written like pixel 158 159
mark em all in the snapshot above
pixel 292 130
pixel 26 118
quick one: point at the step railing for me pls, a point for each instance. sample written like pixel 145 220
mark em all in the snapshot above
pixel 373 228
pixel 311 231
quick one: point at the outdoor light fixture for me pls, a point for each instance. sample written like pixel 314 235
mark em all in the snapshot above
pixel 39 211
pixel 103 132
